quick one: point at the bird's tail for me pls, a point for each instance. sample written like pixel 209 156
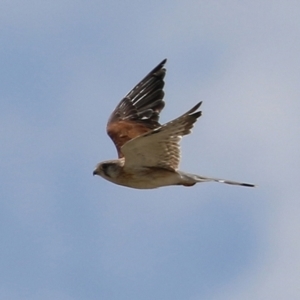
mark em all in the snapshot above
pixel 191 179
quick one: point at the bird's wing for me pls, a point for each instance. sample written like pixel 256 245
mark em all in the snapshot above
pixel 138 112
pixel 160 146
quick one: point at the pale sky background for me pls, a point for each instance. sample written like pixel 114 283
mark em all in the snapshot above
pixel 67 235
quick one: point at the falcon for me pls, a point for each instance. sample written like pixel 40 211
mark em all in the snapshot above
pixel 148 152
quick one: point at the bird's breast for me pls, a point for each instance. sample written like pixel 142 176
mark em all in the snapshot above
pixel 147 178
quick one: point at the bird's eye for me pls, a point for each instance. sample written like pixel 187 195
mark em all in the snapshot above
pixel 105 168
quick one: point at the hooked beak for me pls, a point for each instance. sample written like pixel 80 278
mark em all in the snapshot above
pixel 95 172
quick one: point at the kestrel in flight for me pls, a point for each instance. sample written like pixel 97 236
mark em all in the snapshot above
pixel 149 153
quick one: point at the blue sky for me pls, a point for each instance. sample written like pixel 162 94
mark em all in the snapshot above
pixel 68 235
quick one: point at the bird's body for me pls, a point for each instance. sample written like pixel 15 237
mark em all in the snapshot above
pixel 149 153
pixel 139 178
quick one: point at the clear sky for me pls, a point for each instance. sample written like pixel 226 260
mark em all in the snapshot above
pixel 67 235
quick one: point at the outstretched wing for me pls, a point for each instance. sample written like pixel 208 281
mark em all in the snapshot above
pixel 160 146
pixel 138 112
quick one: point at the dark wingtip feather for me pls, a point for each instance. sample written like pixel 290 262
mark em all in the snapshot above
pixel 248 184
pixel 194 109
pixel 163 62
pixel 197 114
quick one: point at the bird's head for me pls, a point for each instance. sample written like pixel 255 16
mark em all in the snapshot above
pixel 108 169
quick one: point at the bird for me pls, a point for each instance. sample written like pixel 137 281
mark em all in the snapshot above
pixel 148 152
